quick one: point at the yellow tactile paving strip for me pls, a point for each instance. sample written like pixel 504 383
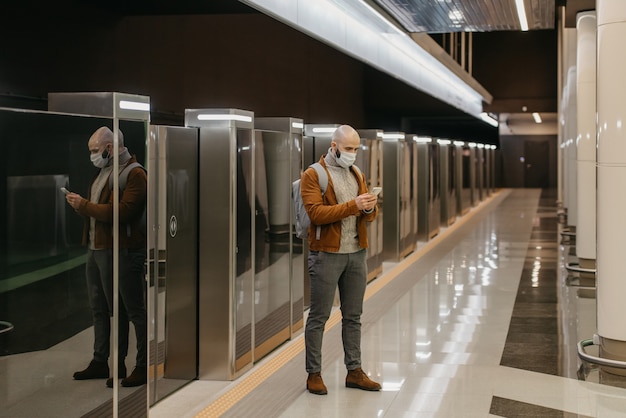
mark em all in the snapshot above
pixel 256 377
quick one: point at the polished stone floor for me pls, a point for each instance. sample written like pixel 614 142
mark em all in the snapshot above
pixel 483 320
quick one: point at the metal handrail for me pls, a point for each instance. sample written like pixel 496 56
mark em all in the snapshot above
pixel 597 360
pixel 572 267
pixel 5 327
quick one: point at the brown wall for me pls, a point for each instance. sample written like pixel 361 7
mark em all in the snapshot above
pixel 518 68
pixel 247 61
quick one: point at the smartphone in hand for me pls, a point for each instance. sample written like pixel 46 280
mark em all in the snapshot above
pixel 65 191
pixel 376 191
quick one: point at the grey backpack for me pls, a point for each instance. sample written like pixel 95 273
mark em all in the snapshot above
pixel 302 220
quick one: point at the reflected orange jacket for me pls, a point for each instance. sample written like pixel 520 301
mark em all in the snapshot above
pixel 131 207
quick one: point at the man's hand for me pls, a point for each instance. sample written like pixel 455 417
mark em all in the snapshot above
pixel 366 201
pixel 74 200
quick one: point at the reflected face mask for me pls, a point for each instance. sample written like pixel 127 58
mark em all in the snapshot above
pixel 100 160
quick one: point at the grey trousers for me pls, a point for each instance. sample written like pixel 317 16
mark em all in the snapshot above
pixel 328 271
pixel 132 306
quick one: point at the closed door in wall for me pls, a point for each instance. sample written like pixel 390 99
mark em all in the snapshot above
pixel 536 156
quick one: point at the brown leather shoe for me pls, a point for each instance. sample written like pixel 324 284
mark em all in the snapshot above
pixel 315 384
pixel 358 379
pixel 95 370
pixel 138 377
pixel 121 373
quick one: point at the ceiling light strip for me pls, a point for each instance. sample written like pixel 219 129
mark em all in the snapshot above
pixel 224 116
pixel 131 105
pixel 489 119
pixel 358 30
pixel 521 14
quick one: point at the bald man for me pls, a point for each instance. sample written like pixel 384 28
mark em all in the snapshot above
pixel 338 258
pixel 97 210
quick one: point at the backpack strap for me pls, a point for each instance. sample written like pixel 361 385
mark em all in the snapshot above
pixel 123 177
pixel 322 176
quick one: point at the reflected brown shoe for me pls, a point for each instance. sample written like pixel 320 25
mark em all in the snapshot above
pixel 358 379
pixel 121 373
pixel 138 377
pixel 315 384
pixel 95 370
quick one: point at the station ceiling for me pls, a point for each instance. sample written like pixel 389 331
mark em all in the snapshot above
pixel 444 16
pixel 519 69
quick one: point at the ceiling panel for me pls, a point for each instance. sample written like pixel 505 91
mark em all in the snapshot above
pixel 443 16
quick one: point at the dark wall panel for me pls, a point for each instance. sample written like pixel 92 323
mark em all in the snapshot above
pixel 518 68
pixel 514 159
pixel 247 61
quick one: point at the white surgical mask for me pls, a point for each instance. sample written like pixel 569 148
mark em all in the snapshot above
pixel 346 159
pixel 98 160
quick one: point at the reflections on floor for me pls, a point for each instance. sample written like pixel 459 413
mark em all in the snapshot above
pixel 533 341
pixel 438 334
pixel 502 407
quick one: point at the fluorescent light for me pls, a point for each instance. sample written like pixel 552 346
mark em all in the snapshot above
pixel 380 135
pixel 362 32
pixel 536 117
pixel 472 144
pixel 480 145
pixel 297 125
pixel 490 120
pixel 422 139
pixel 393 136
pixel 224 116
pixel 521 14
pixel 128 105
pixel 459 143
pixel 455 16
pixel 382 18
pixel 444 141
pixel 324 130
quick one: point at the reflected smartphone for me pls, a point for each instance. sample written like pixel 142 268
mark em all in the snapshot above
pixel 376 191
pixel 65 191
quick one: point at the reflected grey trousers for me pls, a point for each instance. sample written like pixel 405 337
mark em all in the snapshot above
pixel 99 274
pixel 328 271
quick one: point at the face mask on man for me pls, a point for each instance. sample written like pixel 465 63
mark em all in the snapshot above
pixel 345 159
pixel 100 160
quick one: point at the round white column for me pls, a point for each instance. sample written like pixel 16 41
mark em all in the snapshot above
pixel 568 53
pixel 570 128
pixel 571 131
pixel 586 139
pixel 559 154
pixel 563 148
pixel 611 178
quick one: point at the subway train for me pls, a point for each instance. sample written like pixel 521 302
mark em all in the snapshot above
pixel 226 277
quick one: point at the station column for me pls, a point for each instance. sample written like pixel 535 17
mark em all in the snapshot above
pixel 611 178
pixel 586 140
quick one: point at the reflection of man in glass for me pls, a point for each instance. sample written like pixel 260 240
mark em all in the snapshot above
pixel 97 210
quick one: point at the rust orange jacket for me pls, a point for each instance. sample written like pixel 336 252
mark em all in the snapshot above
pixel 328 213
